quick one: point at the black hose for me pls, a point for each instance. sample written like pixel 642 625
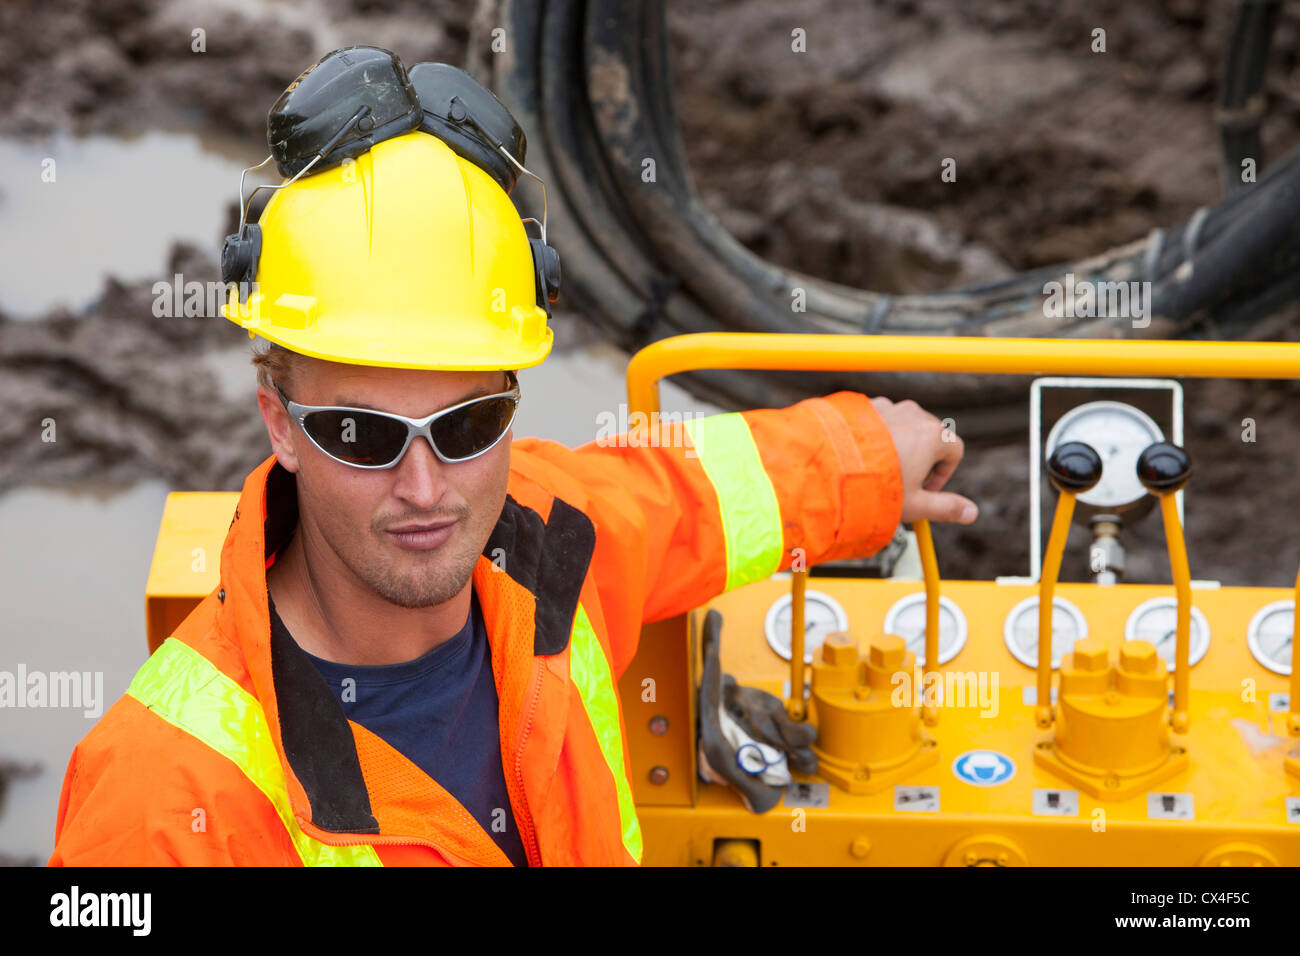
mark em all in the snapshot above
pixel 1241 103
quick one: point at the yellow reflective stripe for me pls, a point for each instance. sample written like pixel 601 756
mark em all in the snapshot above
pixel 185 689
pixel 589 670
pixel 751 517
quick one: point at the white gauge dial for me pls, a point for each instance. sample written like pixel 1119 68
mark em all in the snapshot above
pixel 822 615
pixel 1118 433
pixel 907 619
pixel 1156 621
pixel 1020 630
pixel 1270 636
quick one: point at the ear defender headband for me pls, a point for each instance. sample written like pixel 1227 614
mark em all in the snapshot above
pixel 354 98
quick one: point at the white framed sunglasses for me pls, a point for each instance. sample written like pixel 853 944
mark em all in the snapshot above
pixel 365 438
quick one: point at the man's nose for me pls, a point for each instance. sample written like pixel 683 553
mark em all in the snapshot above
pixel 421 478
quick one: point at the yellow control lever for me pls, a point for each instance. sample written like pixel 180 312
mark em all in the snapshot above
pixel 795 706
pixel 930 569
pixel 1163 469
pixel 1073 468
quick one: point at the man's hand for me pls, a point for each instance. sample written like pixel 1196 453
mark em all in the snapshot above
pixel 928 455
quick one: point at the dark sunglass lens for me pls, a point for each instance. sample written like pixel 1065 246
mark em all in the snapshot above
pixel 469 430
pixel 360 438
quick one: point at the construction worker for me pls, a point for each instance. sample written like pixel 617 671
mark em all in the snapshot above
pixel 413 651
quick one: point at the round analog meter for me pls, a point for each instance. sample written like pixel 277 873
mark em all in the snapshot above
pixel 1270 635
pixel 1118 433
pixel 1020 630
pixel 1156 621
pixel 822 615
pixel 907 619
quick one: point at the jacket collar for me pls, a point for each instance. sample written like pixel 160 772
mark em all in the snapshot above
pixel 311 733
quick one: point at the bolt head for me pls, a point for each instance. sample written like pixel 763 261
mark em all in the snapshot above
pixel 887 652
pixel 658 775
pixel 1091 655
pixel 1138 657
pixel 840 649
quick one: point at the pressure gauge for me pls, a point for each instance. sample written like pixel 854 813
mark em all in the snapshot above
pixel 1020 630
pixel 907 619
pixel 822 615
pixel 1270 635
pixel 1156 621
pixel 1118 433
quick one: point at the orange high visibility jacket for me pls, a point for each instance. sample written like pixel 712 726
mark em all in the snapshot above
pixel 228 748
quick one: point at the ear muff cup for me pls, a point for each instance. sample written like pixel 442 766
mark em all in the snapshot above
pixel 239 258
pixel 465 115
pixel 546 267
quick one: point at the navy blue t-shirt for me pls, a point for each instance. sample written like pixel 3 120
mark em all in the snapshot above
pixel 440 711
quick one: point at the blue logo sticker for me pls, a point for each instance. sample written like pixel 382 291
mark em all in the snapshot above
pixel 984 768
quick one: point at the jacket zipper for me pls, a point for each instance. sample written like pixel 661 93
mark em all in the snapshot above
pixel 373 839
pixel 531 846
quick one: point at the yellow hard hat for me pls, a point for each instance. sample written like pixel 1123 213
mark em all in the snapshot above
pixel 410 256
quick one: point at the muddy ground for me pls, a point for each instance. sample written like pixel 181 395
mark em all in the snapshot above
pixel 1060 152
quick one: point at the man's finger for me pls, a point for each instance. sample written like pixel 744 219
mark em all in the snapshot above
pixel 944 506
pixel 948 455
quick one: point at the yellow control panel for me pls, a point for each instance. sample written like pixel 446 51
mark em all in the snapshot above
pixel 1233 801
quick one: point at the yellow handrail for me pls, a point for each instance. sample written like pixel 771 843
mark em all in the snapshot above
pixel 991 356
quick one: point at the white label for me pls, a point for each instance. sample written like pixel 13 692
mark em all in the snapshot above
pixel 808 795
pixel 1279 703
pixel 1293 809
pixel 917 799
pixel 1170 806
pixel 1056 803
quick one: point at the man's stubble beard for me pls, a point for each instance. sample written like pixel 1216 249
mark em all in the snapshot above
pixel 431 577
pixel 423 587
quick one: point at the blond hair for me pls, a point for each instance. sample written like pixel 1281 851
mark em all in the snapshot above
pixel 274 365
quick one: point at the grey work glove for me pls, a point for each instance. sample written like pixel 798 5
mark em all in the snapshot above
pixel 746 737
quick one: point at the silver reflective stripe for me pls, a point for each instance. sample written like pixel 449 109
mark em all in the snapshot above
pixel 187 690
pixel 751 517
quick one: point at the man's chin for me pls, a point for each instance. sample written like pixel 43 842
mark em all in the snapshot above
pixel 423 580
pixel 416 594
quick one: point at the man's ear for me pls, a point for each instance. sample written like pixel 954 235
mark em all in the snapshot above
pixel 279 428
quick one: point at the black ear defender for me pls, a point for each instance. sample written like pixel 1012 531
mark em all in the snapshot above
pixel 239 258
pixel 336 110
pixel 467 117
pixel 352 99
pixel 546 263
